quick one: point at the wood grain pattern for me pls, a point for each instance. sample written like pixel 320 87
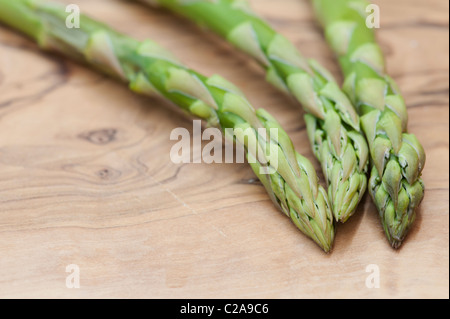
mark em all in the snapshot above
pixel 86 178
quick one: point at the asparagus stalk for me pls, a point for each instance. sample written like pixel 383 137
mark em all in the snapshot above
pixel 397 157
pixel 149 69
pixel 332 122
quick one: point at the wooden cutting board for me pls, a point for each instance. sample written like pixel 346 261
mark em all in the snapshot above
pixel 86 177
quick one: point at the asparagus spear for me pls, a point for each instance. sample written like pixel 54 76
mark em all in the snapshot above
pixel 398 157
pixel 332 122
pixel 150 69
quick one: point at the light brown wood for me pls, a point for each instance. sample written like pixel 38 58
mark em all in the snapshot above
pixel 86 178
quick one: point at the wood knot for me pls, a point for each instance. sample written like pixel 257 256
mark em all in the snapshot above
pixel 99 137
pixel 107 174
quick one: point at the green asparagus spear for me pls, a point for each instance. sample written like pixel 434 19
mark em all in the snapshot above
pixel 332 122
pixel 398 157
pixel 149 69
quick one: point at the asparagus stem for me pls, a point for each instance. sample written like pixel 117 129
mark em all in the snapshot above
pixel 398 157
